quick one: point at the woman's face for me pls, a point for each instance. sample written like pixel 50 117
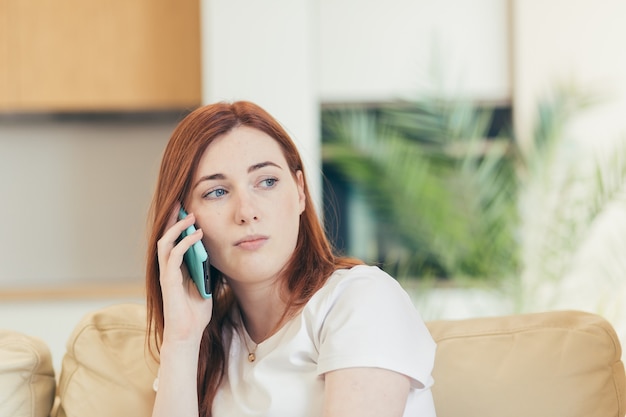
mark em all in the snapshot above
pixel 248 205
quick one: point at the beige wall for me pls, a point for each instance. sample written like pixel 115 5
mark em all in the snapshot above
pixel 74 199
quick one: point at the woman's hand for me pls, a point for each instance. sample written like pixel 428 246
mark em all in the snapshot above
pixel 186 313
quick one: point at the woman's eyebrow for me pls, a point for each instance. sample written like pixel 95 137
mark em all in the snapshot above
pixel 262 165
pixel 209 178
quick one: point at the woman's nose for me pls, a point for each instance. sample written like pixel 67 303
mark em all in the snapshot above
pixel 246 211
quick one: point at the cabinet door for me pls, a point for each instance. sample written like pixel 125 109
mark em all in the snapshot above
pixel 99 55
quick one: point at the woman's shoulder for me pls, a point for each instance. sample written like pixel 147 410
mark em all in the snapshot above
pixel 361 276
pixel 362 317
pixel 358 285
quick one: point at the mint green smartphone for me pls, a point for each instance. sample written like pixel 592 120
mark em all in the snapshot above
pixel 197 261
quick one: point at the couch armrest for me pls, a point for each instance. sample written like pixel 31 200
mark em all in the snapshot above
pixel 548 364
pixel 106 370
pixel 27 381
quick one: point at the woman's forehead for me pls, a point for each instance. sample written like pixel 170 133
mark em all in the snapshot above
pixel 240 149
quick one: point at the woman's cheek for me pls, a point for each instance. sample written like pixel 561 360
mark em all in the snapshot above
pixel 214 256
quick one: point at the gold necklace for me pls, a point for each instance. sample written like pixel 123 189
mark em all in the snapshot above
pixel 246 336
pixel 251 353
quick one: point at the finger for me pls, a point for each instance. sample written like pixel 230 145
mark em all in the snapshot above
pixel 176 226
pixel 176 254
pixel 172 233
pixel 171 261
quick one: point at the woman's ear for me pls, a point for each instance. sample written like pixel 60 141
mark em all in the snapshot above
pixel 300 186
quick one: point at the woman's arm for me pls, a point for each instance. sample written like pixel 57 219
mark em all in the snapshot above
pixel 186 314
pixel 365 392
pixel 373 345
pixel 177 393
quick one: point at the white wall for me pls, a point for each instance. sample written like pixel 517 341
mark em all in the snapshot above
pixel 577 43
pixel 371 50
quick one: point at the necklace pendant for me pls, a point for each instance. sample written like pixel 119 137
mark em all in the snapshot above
pixel 251 357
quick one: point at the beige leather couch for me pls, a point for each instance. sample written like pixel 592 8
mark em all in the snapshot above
pixel 553 364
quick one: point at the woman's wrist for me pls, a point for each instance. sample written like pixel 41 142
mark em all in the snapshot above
pixel 178 359
pixel 175 345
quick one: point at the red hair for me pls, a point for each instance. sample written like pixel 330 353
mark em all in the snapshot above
pixel 310 265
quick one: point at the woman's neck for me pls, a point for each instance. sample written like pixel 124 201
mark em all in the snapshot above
pixel 262 309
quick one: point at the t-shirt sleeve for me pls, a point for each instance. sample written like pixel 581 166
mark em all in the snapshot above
pixel 371 321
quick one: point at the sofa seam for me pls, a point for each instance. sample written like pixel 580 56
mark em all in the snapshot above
pixel 31 372
pixel 510 330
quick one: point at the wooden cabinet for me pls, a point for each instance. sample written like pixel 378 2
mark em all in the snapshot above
pixel 99 55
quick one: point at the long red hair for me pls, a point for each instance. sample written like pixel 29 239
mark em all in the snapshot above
pixel 311 264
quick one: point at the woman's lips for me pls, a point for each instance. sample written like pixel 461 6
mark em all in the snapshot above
pixel 251 242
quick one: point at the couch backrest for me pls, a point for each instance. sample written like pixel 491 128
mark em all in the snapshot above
pixel 553 364
pixel 26 376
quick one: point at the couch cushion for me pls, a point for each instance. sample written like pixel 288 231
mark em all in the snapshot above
pixel 26 376
pixel 107 371
pixel 541 365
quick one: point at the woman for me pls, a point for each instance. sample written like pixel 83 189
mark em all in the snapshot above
pixel 290 330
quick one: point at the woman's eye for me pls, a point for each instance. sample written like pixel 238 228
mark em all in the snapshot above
pixel 269 182
pixel 217 193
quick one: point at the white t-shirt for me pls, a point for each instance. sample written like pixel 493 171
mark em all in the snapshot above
pixel 361 317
